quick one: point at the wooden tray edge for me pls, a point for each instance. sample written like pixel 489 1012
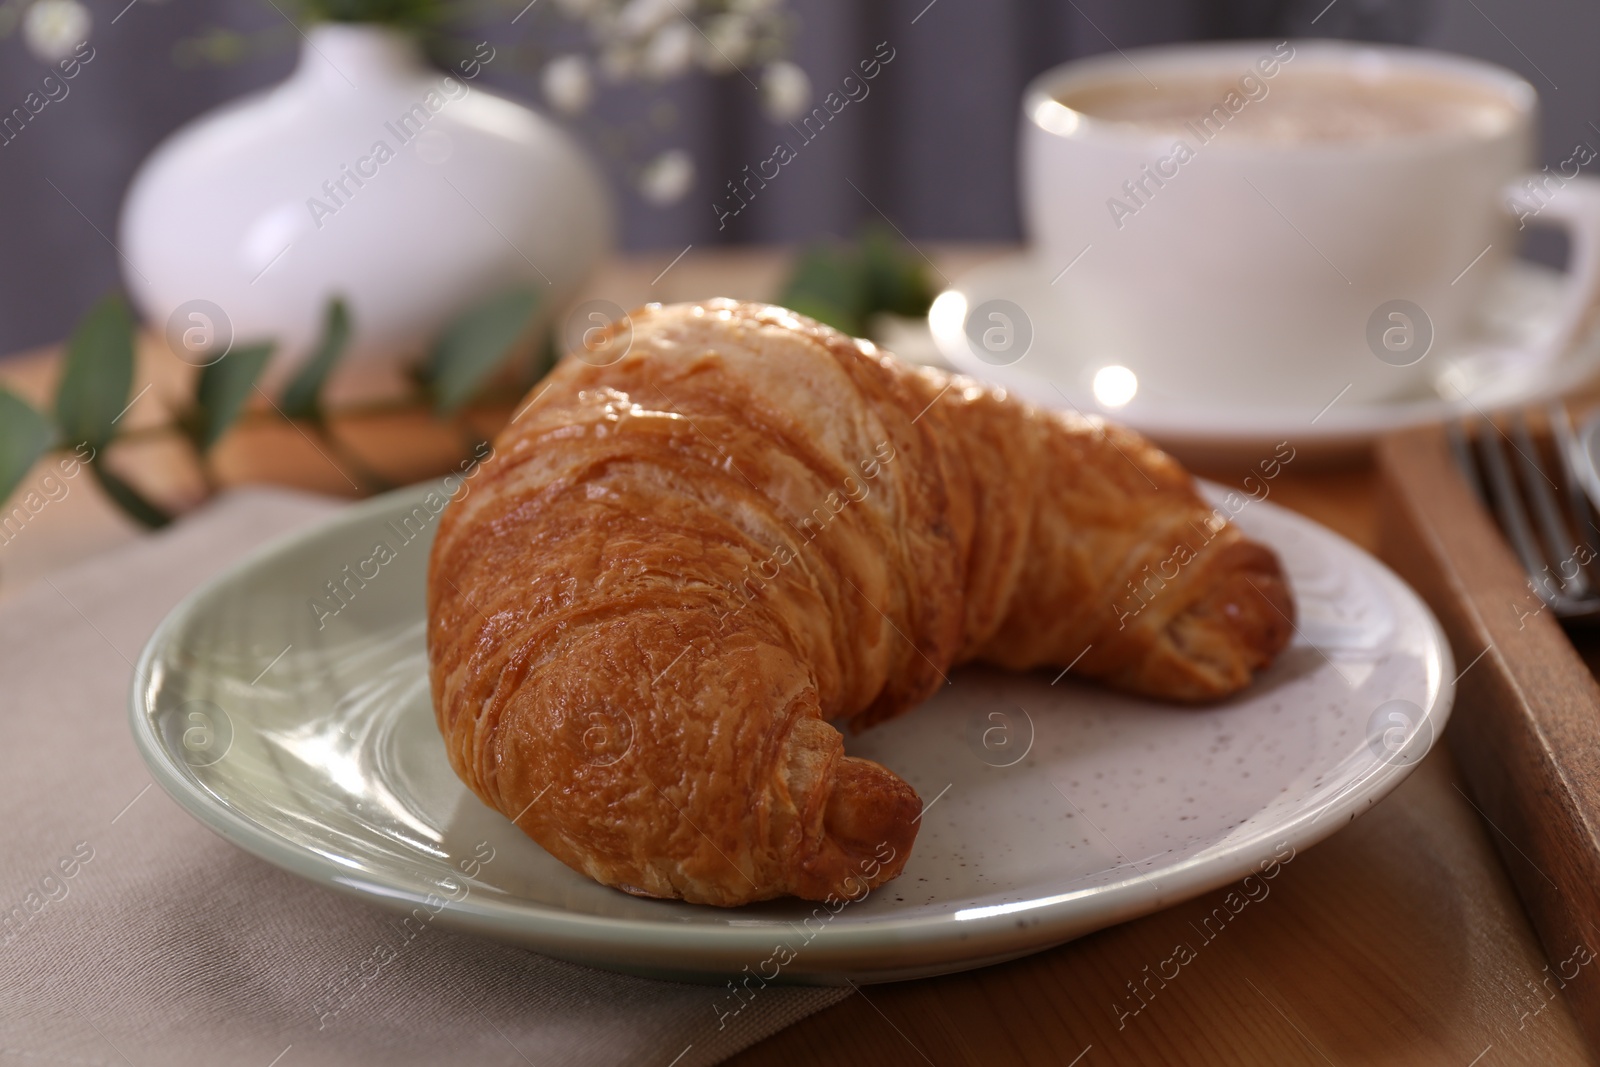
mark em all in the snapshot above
pixel 1526 725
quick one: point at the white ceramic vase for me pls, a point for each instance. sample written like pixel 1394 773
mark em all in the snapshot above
pixel 410 191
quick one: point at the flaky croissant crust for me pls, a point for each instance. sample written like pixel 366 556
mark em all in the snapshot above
pixel 732 524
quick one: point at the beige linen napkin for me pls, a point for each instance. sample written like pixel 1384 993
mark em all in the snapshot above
pixel 131 935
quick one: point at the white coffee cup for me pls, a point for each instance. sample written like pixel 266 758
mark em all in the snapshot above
pixel 1263 271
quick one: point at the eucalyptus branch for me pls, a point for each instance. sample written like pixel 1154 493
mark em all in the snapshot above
pixel 97 379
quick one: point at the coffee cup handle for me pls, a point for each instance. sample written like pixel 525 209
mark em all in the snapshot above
pixel 1574 206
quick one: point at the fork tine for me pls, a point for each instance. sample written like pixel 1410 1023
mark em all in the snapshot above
pixel 1541 490
pixel 1461 448
pixel 1571 455
pixel 1513 517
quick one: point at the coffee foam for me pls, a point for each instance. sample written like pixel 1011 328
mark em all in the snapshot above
pixel 1298 106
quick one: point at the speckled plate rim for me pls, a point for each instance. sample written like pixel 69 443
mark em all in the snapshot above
pixel 879 950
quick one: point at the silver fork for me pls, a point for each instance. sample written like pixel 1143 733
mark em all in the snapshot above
pixel 1551 527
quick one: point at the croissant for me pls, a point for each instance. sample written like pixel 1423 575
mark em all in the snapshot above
pixel 731 524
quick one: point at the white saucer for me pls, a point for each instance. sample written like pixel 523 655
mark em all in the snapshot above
pixel 1053 807
pixel 1494 372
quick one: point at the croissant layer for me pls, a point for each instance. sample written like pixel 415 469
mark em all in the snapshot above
pixel 730 525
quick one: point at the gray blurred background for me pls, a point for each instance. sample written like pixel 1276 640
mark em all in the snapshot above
pixel 934 150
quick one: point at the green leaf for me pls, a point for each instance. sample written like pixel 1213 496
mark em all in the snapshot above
pixel 544 360
pixel 24 436
pixel 402 13
pixel 828 284
pixel 224 387
pixel 98 374
pixel 473 345
pixel 844 286
pixel 127 497
pixel 896 276
pixel 302 398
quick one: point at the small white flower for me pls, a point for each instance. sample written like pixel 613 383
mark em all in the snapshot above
pixel 53 28
pixel 785 91
pixel 567 84
pixel 671 50
pixel 619 62
pixel 667 178
pixel 729 40
pixel 640 18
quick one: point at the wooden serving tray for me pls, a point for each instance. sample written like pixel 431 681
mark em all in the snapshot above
pixel 1526 725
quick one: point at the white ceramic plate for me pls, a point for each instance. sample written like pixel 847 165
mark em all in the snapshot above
pixel 1054 809
pixel 1494 371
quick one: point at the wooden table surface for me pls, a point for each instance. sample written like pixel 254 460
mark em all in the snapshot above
pixel 1397 941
